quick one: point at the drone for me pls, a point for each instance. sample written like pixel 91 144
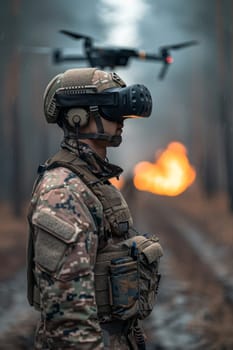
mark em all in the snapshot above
pixel 106 57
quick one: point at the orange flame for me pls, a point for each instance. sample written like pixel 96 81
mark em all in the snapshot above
pixel 117 183
pixel 170 175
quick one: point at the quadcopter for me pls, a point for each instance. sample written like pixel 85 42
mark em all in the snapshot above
pixel 106 57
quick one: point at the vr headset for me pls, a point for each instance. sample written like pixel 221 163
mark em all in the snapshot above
pixel 114 104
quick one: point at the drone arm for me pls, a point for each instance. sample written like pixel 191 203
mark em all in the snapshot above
pixel 141 54
pixel 147 56
pixel 59 57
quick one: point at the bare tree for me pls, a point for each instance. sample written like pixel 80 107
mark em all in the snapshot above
pixel 224 12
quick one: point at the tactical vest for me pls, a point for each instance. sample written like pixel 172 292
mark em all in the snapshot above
pixel 111 272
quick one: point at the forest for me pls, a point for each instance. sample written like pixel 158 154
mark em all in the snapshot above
pixel 192 109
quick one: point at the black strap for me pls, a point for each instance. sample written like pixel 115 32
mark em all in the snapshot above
pixel 94 111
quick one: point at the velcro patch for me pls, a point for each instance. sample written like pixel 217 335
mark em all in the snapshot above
pixel 49 250
pixel 56 226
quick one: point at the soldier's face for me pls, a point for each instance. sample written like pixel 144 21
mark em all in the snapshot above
pixel 110 127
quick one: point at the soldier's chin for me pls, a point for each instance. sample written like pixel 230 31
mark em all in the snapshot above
pixel 115 141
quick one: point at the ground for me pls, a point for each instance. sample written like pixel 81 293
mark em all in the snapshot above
pixel 214 218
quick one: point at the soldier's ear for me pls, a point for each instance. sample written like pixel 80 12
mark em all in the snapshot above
pixel 77 116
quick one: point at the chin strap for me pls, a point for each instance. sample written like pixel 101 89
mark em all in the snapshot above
pixel 114 140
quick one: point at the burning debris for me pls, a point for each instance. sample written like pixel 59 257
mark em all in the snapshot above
pixel 170 175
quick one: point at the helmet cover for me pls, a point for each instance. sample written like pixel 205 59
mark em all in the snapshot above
pixel 78 77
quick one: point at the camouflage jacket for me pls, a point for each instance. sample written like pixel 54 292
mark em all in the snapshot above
pixel 65 277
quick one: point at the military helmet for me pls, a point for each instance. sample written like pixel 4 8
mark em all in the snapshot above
pixel 77 78
pixel 72 98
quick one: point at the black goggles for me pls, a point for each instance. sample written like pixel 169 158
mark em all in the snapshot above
pixel 114 104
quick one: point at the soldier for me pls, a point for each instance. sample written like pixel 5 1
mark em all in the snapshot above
pixel 91 276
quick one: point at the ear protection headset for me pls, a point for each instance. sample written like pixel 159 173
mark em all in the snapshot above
pixel 77 117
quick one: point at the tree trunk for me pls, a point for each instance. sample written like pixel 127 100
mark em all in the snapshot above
pixel 224 39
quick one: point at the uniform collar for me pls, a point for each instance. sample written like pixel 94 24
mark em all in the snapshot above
pixel 99 167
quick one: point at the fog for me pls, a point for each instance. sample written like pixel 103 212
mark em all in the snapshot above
pixel 185 103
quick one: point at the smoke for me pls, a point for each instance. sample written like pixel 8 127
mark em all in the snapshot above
pixel 140 24
pixel 122 20
pixel 159 23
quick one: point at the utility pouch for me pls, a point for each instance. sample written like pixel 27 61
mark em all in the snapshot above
pixel 123 287
pixel 126 278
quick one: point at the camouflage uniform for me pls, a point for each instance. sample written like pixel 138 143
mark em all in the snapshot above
pixel 80 226
pixel 66 282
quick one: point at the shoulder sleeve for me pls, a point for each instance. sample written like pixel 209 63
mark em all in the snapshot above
pixel 65 251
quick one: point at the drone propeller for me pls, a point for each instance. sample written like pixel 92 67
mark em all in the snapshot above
pixel 179 46
pixel 163 71
pixel 167 58
pixel 75 35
